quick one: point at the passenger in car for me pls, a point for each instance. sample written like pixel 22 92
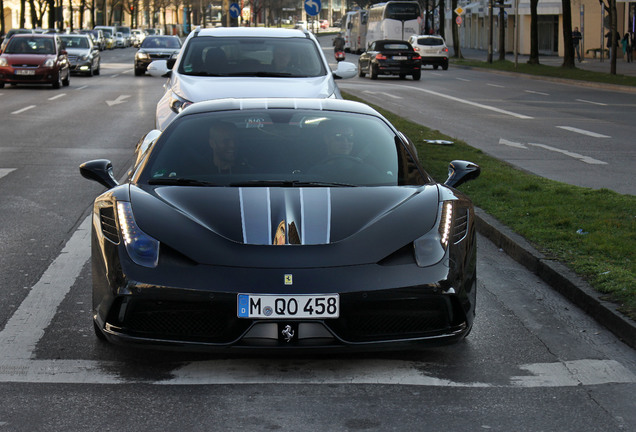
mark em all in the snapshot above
pixel 222 141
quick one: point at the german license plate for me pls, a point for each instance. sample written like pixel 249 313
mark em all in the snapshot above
pixel 25 72
pixel 400 57
pixel 271 306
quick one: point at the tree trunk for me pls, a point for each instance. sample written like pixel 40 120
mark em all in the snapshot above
pixel 568 45
pixel 534 33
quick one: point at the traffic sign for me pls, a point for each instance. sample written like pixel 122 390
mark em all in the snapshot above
pixel 312 7
pixel 460 10
pixel 458 20
pixel 235 10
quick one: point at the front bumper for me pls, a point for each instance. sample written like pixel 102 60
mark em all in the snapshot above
pixel 40 76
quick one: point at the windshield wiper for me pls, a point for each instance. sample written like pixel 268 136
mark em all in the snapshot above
pixel 179 182
pixel 290 183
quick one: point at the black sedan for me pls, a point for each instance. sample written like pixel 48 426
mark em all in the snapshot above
pixel 390 57
pixel 277 224
pixel 156 48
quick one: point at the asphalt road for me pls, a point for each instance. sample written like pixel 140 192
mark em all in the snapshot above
pixel 570 133
pixel 533 361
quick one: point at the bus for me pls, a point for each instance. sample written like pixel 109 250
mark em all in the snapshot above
pixel 345 29
pixel 358 36
pixel 393 20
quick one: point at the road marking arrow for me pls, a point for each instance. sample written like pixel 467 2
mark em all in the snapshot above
pixel 120 99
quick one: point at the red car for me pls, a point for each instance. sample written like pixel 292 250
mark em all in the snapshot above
pixel 34 59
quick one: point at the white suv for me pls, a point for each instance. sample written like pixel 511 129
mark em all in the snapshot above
pixel 238 62
pixel 432 49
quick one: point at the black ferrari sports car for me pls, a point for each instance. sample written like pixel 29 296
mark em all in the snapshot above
pixel 281 224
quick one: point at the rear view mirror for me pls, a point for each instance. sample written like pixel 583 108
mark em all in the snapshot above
pixel 158 68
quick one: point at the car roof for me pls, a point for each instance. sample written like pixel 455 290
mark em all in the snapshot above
pixel 35 35
pixel 252 31
pixel 318 104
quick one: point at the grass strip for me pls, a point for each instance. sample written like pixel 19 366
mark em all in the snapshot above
pixel 591 231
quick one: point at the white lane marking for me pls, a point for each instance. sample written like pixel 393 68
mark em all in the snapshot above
pixel 585 372
pixel 383 94
pixel 58 96
pixel 464 101
pixel 586 159
pixel 537 92
pixel 590 102
pixel 120 99
pixel 573 373
pixel 495 85
pixel 81 88
pixel 462 79
pixel 27 325
pixel 20 111
pixel 5 171
pixel 583 131
pixel 512 144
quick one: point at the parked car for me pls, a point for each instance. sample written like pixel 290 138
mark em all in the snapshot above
pixel 35 59
pixel 10 33
pixel 281 224
pixel 156 48
pixel 109 35
pixel 390 57
pixel 83 56
pixel 120 40
pixel 222 62
pixel 432 49
pixel 97 36
pixel 138 37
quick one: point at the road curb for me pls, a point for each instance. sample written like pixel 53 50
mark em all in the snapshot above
pixel 558 276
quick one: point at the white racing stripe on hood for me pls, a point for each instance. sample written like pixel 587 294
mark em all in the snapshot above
pixel 314 226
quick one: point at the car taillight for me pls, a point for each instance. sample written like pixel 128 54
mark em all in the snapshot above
pixel 417 57
pixel 445 49
pixel 380 56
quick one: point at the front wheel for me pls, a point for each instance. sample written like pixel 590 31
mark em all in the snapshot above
pixel 67 81
pixel 57 83
pixel 139 72
pixel 417 75
pixel 361 73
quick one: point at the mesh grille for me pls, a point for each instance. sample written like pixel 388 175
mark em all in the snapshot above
pixel 460 225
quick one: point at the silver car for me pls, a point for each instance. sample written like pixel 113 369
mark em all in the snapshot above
pixel 224 62
pixel 83 55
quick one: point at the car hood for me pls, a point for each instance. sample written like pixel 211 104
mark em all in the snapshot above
pixel 78 51
pixel 27 59
pixel 160 50
pixel 324 226
pixel 197 89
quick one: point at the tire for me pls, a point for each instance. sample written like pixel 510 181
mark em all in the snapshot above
pixel 361 73
pixel 445 66
pixel 373 72
pixel 96 71
pixel 1 85
pixel 67 81
pixel 58 81
pixel 402 76
pixel 139 72
pixel 435 67
pixel 98 332
pixel 417 75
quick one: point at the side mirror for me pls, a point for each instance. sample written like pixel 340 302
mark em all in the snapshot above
pixel 99 170
pixel 460 172
pixel 158 68
pixel 345 70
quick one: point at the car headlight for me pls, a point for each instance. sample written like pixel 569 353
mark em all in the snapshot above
pixel 49 63
pixel 431 247
pixel 178 104
pixel 3 62
pixel 142 249
pixel 141 55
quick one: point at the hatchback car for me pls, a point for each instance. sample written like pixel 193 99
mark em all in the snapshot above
pixel 276 224
pixel 83 56
pixel 155 48
pixel 35 59
pixel 10 33
pixel 390 57
pixel 432 49
pixel 247 62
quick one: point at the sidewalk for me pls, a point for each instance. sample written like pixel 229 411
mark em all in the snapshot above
pixel 596 65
